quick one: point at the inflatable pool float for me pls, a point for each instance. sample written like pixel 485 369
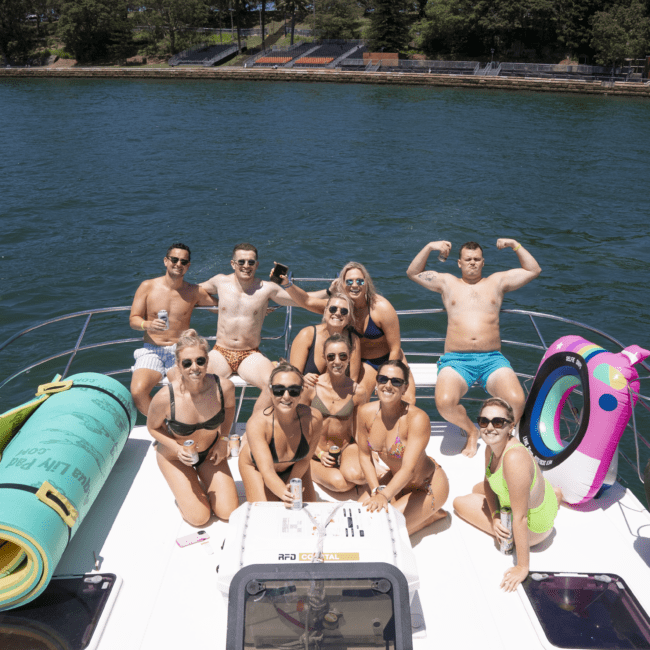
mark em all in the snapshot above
pixel 50 475
pixel 609 385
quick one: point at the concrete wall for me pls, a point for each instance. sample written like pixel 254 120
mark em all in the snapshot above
pixel 336 76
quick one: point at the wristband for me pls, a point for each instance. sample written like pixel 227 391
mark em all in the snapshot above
pixel 516 248
pixel 286 286
pixel 320 455
pixel 224 438
pixel 328 292
pixel 142 324
pixel 495 513
pixel 378 489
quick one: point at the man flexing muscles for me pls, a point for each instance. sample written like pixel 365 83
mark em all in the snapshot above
pixel 473 339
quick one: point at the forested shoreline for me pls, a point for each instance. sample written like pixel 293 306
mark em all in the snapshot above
pixel 604 32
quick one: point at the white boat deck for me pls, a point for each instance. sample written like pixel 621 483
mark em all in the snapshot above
pixel 169 597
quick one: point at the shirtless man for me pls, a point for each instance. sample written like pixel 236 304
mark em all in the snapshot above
pixel 178 298
pixel 243 300
pixel 473 340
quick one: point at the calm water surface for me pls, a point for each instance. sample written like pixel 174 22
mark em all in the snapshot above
pixel 97 178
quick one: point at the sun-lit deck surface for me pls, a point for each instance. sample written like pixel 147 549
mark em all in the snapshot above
pixel 169 598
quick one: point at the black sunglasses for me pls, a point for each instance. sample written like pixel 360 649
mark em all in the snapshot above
pixel 497 423
pixel 249 262
pixel 344 310
pixel 360 282
pixel 187 363
pixel 176 260
pixel 330 356
pixel 278 390
pixel 396 381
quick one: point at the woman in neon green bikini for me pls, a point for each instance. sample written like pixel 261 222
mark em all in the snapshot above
pixel 512 479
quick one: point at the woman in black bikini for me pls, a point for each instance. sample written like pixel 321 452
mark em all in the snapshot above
pixel 307 347
pixel 337 398
pixel 200 407
pixel 398 433
pixel 281 439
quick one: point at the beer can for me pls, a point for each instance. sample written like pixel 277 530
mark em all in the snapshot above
pixel 507 546
pixel 336 452
pixel 190 445
pixel 296 493
pixel 233 444
pixel 162 315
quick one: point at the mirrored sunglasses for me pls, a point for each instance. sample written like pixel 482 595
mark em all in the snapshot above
pixel 360 282
pixel 343 356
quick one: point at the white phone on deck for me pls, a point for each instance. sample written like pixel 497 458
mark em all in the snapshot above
pixel 194 538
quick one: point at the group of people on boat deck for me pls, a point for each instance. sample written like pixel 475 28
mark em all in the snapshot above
pixel 321 398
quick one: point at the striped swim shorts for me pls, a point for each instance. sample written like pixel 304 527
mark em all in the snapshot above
pixel 155 357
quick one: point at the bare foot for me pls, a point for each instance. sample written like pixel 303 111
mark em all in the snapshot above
pixel 439 514
pixel 471 447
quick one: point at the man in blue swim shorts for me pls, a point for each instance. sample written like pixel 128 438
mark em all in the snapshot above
pixel 473 339
pixel 178 298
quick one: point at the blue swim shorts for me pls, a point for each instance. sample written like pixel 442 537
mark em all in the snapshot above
pixel 474 366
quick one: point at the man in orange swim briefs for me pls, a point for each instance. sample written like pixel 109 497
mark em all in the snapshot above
pixel 243 301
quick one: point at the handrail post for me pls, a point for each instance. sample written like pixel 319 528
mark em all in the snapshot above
pixel 76 347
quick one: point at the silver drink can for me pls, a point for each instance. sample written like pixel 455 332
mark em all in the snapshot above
pixel 296 493
pixel 442 257
pixel 335 451
pixel 190 445
pixel 162 315
pixel 508 546
pixel 233 443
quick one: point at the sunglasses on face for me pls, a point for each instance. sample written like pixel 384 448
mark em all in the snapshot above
pixel 497 423
pixel 396 381
pixel 343 356
pixel 344 310
pixel 176 260
pixel 360 282
pixel 249 262
pixel 187 363
pixel 278 390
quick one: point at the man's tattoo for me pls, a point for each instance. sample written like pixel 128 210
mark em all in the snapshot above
pixel 428 276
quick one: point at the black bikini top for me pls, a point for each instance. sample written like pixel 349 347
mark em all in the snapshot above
pixel 301 453
pixel 182 429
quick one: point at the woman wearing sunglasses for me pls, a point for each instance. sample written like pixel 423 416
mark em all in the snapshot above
pixel 337 397
pixel 512 479
pixel 374 320
pixel 281 440
pixel 307 348
pixel 199 407
pixel 398 433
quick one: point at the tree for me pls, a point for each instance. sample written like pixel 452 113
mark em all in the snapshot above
pixel 95 29
pixel 15 33
pixel 622 32
pixel 338 19
pixel 171 17
pixel 294 8
pixel 447 27
pixel 388 27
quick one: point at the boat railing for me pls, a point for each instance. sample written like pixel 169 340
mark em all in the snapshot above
pixel 436 348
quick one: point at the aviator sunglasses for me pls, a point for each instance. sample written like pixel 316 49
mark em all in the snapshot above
pixel 360 282
pixel 344 310
pixel 176 260
pixel 396 381
pixel 278 390
pixel 330 356
pixel 249 262
pixel 497 423
pixel 187 363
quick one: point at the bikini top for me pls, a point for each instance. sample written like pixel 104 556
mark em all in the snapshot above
pixel 344 413
pixel 301 453
pixel 398 448
pixel 373 331
pixel 498 482
pixel 310 364
pixel 182 429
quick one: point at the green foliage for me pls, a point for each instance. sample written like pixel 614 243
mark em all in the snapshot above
pixel 16 36
pixel 96 30
pixel 447 27
pixel 622 32
pixel 338 19
pixel 388 30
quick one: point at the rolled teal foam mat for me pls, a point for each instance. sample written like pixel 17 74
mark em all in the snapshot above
pixel 50 475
